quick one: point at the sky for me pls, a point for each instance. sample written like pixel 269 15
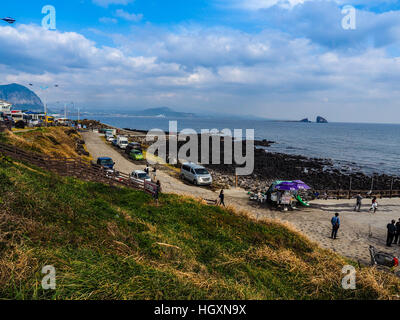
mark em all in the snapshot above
pixel 278 59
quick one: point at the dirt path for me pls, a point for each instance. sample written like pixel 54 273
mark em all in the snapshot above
pixel 357 232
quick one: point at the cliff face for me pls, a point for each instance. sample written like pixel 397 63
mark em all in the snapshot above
pixel 21 97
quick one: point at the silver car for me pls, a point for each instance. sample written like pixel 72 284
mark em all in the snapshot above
pixel 196 174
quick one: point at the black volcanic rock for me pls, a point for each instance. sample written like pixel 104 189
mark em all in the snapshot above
pixel 321 120
pixel 305 120
pixel 21 97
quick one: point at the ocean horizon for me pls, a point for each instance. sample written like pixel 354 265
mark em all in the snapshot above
pixel 352 146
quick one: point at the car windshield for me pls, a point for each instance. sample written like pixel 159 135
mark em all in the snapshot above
pixel 137 152
pixel 106 162
pixel 201 171
pixel 143 176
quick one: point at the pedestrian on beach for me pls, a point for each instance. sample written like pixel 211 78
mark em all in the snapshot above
pixel 374 205
pixel 358 203
pixel 397 236
pixel 335 225
pixel 222 198
pixel 147 170
pixel 154 172
pixel 391 233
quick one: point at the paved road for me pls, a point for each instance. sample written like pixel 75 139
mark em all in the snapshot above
pixel 98 148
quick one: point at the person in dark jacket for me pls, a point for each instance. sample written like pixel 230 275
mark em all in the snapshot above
pixel 397 236
pixel 335 225
pixel 358 203
pixel 391 233
pixel 221 198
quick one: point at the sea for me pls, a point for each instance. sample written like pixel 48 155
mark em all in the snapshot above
pixel 366 147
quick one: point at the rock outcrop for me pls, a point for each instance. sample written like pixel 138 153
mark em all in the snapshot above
pixel 321 120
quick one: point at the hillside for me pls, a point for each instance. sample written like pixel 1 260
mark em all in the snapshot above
pixel 116 243
pixel 56 142
pixel 21 97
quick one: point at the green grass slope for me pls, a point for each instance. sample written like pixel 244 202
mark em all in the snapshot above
pixel 116 243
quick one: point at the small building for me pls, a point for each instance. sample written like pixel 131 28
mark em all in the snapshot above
pixel 5 107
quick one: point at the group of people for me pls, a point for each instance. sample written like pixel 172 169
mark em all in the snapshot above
pixel 153 172
pixel 393 235
pixel 374 205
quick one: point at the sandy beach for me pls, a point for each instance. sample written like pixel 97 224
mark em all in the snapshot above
pixel 358 230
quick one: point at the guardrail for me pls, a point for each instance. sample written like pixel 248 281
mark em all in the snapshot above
pixel 77 168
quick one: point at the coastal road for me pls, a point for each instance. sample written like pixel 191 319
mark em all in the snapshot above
pixel 98 148
pixel 358 229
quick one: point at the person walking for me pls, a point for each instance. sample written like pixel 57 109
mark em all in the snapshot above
pixel 358 203
pixel 335 225
pixel 154 174
pixel 222 198
pixel 374 205
pixel 397 235
pixel 157 193
pixel 391 233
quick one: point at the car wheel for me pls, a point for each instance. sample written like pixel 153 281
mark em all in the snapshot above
pixel 195 182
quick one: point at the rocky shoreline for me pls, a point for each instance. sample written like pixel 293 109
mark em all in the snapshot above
pixel 320 174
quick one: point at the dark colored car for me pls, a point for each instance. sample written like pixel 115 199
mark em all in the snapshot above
pixel 106 162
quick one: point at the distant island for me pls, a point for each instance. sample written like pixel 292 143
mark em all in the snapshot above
pixel 162 112
pixel 319 120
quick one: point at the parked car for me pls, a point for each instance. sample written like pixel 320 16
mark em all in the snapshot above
pixel 114 142
pixel 131 146
pixel 140 175
pixel 196 174
pixel 136 155
pixel 110 138
pixel 106 162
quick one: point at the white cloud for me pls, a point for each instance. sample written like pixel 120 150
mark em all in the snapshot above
pixel 106 3
pixel 199 68
pixel 128 16
pixel 107 20
pixel 260 4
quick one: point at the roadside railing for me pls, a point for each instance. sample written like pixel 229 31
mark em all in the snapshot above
pixel 77 168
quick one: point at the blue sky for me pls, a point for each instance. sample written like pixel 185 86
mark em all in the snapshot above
pixel 274 58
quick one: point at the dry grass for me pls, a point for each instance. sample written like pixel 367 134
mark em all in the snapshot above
pixel 57 142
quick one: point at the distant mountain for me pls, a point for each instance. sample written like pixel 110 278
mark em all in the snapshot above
pixel 163 112
pixel 21 97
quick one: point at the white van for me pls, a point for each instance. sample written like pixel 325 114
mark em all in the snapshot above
pixel 122 142
pixel 196 174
